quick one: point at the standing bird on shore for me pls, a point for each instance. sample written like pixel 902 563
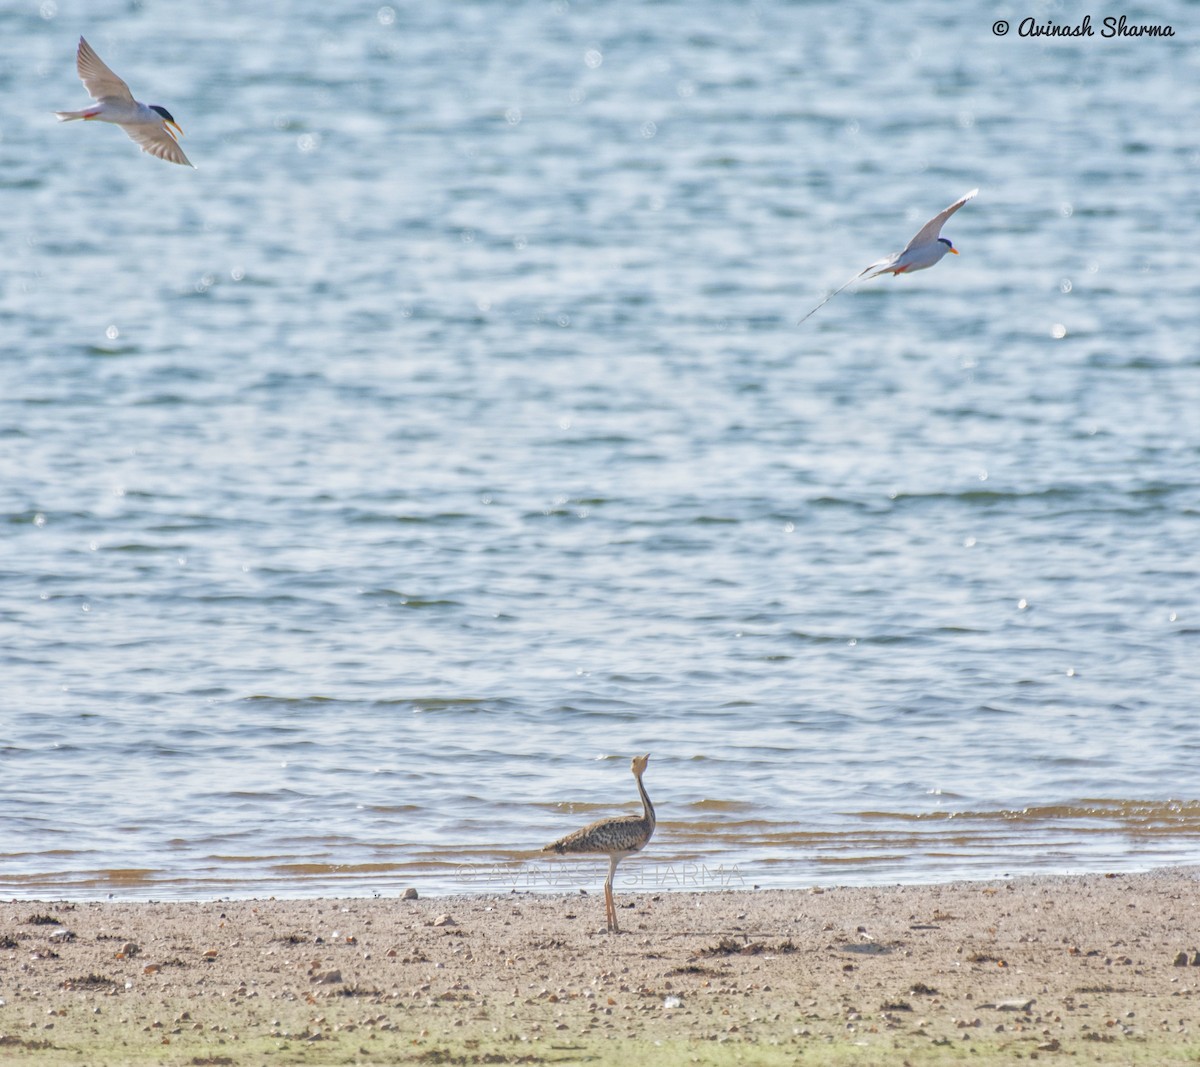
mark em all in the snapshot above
pixel 615 838
pixel 922 252
pixel 151 126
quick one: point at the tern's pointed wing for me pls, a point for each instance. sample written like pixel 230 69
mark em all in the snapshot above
pixel 933 228
pixel 846 285
pixel 100 82
pixel 156 141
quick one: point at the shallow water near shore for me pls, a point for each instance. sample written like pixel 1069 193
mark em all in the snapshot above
pixel 373 492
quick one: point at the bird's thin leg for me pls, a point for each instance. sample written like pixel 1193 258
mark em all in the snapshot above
pixel 610 904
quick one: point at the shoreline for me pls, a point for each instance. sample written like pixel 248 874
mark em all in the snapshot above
pixel 556 877
pixel 1034 967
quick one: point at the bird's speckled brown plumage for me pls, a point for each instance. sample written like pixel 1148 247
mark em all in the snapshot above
pixel 615 838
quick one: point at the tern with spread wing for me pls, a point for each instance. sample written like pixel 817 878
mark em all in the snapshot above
pixel 922 252
pixel 150 125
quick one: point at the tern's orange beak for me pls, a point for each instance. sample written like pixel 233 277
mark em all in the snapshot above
pixel 954 250
pixel 173 128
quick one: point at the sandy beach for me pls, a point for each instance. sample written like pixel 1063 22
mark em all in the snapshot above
pixel 1074 969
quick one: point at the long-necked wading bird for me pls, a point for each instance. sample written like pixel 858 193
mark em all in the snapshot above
pixel 615 838
pixel 922 252
pixel 150 125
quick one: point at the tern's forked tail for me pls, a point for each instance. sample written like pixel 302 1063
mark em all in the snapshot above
pixel 67 116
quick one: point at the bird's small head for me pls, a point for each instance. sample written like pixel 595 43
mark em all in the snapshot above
pixel 168 119
pixel 638 765
pixel 949 246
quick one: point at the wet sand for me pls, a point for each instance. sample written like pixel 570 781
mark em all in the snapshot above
pixel 1078 969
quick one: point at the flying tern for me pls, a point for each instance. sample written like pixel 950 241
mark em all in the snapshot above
pixel 923 251
pixel 150 125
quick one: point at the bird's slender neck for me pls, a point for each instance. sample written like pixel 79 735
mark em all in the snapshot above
pixel 649 808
